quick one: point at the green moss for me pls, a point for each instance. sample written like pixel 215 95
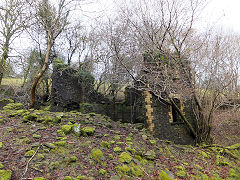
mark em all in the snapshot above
pixel 13 106
pixel 72 159
pixel 150 155
pixel 20 112
pixel 60 132
pixel 125 157
pixel 179 168
pixel 46 119
pixel 124 169
pixel 30 117
pixel 117 149
pixel 82 177
pixel 152 142
pixel 49 145
pixel 67 178
pixel 29 153
pixel 77 129
pixel 120 143
pixel 110 156
pixel 221 161
pixel 117 137
pixel 105 144
pixel 1 166
pixel 136 171
pixel 87 131
pixel 39 178
pixel 112 142
pixel 97 154
pixel 66 128
pixel 58 119
pixel 129 149
pixel 5 174
pixel 181 174
pixel 233 174
pixel 1 145
pixel 61 143
pixel 162 175
pixel 102 171
pixel 1 120
pixel 36 136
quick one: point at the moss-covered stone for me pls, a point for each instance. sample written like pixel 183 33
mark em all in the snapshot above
pixel 5 174
pixel 46 119
pixel 87 131
pixel 30 117
pixel 153 142
pixel 13 106
pixel 110 156
pixel 117 137
pixel 131 150
pixel 105 144
pixel 39 178
pixel 150 155
pixel 61 143
pixel 97 154
pixel 82 177
pixel 181 174
pixel 1 145
pixel 66 128
pixel 29 153
pixel 162 175
pixel 125 157
pixel 102 171
pixel 72 159
pixel 1 166
pixel 221 161
pixel 36 136
pixel 58 119
pixel 49 145
pixel 67 178
pixel 117 149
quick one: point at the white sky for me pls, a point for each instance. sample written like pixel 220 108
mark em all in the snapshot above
pixel 223 13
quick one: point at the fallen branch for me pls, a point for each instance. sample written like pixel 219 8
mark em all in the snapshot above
pixel 184 118
pixel 29 162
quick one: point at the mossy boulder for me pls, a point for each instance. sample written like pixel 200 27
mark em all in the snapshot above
pixel 61 143
pixel 46 119
pixel 97 154
pixel 1 166
pixel 67 178
pixel 1 145
pixel 66 128
pixel 39 178
pixel 49 145
pixel 117 149
pixel 150 155
pixel 102 171
pixel 105 144
pixel 30 117
pixel 5 174
pixel 87 131
pixel 124 157
pixel 13 106
pixel 181 174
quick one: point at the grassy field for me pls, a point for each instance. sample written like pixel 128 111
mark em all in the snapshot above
pixel 12 81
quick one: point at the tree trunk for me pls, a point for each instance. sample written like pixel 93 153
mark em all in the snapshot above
pixel 39 75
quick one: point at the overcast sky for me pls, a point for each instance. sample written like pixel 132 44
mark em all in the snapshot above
pixel 225 13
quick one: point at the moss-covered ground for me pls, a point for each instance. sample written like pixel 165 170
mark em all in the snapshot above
pixel 36 144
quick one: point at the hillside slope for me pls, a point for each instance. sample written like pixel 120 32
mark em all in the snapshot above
pixel 37 144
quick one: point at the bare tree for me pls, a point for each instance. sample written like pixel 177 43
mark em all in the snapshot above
pixel 53 20
pixel 14 18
